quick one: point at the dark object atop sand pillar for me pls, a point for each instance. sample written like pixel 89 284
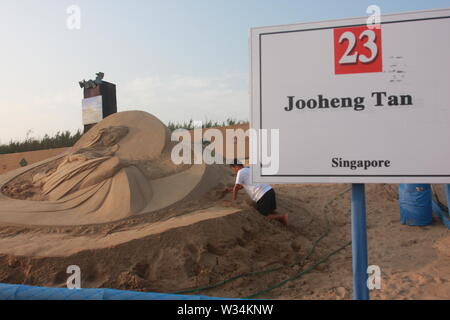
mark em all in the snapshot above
pixel 99 100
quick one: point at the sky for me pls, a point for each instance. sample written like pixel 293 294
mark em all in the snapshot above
pixel 177 59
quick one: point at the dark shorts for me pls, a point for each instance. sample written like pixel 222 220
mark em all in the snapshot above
pixel 267 204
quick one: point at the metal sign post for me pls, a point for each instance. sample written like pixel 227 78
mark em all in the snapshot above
pixel 359 242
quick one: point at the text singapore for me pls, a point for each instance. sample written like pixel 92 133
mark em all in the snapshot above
pixel 379 99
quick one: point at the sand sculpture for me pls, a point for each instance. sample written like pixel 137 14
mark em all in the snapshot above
pixel 120 168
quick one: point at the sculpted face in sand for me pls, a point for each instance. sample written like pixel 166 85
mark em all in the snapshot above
pixel 87 166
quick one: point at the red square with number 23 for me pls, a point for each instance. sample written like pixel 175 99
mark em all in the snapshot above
pixel 357 50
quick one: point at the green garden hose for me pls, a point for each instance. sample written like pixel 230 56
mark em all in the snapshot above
pixel 296 276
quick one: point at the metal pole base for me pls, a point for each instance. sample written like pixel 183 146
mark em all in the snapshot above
pixel 359 243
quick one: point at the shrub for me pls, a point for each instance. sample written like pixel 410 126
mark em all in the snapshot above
pixel 59 140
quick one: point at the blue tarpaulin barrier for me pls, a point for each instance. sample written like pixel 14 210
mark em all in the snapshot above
pixel 23 292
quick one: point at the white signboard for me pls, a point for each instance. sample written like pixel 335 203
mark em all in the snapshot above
pixel 92 110
pixel 354 103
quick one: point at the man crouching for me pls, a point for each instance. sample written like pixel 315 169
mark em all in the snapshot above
pixel 262 195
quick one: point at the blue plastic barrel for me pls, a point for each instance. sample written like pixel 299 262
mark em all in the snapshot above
pixel 415 204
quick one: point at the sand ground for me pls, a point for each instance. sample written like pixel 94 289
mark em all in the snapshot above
pixel 203 242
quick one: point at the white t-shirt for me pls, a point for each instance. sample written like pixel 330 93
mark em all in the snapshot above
pixel 255 191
